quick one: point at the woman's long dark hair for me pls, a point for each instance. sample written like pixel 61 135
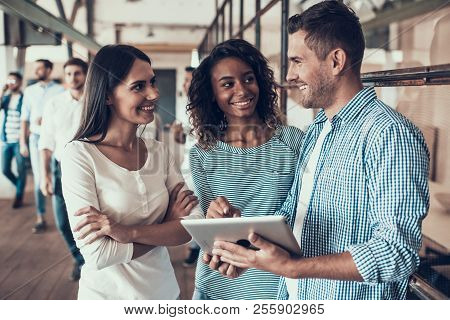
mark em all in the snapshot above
pixel 205 115
pixel 109 67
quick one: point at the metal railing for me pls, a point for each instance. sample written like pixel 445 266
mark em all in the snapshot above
pixel 423 290
pixel 216 32
pixel 420 76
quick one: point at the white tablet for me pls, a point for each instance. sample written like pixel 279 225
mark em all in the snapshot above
pixel 236 230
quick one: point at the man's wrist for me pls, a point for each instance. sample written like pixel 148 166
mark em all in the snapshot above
pixel 292 269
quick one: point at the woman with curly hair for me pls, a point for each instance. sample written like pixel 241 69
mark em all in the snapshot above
pixel 244 161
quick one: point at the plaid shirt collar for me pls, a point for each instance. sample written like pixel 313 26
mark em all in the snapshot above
pixel 351 109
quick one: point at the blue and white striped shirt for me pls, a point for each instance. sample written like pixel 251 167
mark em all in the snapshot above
pixel 369 198
pixel 255 180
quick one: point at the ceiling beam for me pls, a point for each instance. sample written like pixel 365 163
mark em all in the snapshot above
pixel 170 26
pixel 165 47
pixel 29 11
pixel 76 5
pixel 90 22
pixel 62 14
pixel 61 11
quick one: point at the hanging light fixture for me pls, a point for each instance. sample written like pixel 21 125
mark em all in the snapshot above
pixel 194 58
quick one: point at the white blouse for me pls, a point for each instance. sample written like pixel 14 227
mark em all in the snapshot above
pixel 139 197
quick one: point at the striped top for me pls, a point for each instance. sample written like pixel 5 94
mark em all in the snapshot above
pixel 256 180
pixel 12 125
pixel 369 197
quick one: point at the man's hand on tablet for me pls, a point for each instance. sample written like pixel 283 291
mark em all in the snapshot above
pixel 224 268
pixel 269 257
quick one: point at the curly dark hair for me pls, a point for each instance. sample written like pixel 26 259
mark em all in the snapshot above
pixel 205 115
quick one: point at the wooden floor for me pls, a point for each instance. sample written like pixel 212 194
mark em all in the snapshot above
pixel 38 266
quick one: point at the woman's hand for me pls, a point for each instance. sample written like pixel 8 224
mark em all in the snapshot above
pixel 180 203
pixel 221 208
pixel 97 225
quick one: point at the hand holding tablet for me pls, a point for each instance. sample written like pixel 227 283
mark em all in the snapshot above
pixel 237 230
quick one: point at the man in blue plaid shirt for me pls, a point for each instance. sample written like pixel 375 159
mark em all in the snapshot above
pixel 361 189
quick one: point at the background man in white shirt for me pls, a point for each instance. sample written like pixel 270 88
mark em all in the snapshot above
pixel 60 121
pixel 34 99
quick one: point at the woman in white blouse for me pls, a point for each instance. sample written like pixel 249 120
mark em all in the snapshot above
pixel 124 195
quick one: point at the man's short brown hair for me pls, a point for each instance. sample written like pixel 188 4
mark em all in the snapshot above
pixel 77 62
pixel 330 25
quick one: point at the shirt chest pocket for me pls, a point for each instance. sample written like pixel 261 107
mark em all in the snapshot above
pixel 341 182
pixel 280 182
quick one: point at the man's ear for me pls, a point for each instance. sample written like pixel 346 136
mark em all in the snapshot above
pixel 338 61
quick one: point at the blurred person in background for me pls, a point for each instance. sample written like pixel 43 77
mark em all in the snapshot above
pixel 60 122
pixel 34 99
pixel 11 99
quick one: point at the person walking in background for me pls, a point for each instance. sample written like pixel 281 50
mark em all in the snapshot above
pixel 34 99
pixel 11 103
pixel 244 160
pixel 60 121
